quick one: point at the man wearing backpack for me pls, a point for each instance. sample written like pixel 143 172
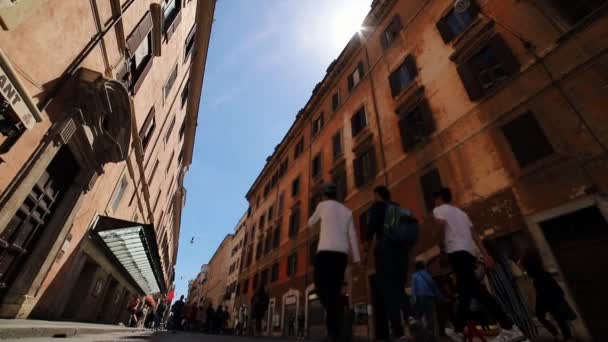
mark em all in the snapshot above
pixel 395 231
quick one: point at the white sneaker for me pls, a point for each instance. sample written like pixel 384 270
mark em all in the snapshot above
pixel 455 336
pixel 510 335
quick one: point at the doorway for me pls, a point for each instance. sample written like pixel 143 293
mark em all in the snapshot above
pixel 579 241
pixel 80 292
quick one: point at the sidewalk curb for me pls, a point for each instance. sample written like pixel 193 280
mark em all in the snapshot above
pixel 58 332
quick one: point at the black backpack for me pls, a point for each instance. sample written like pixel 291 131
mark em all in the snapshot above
pixel 400 226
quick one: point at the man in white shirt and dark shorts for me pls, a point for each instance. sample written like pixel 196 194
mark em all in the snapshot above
pixel 336 234
pixel 462 246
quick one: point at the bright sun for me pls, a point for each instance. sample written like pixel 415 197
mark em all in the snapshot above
pixel 347 21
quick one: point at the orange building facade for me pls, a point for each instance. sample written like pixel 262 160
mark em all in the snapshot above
pixel 502 101
pixel 98 131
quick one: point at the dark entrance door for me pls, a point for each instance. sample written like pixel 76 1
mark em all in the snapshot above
pixel 22 233
pixel 579 241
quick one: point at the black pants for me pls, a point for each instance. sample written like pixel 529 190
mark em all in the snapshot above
pixel 469 287
pixel 391 273
pixel 329 277
pixel 552 308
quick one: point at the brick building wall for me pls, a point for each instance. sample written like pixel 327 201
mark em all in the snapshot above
pixel 503 103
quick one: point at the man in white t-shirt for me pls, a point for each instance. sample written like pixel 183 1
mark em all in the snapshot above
pixel 462 246
pixel 336 239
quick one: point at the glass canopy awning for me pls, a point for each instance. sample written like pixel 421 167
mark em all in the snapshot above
pixel 134 246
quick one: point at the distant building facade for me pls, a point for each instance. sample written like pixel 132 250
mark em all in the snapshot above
pixel 213 290
pixel 97 125
pixel 502 101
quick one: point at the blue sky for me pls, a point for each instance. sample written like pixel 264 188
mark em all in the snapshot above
pixel 265 57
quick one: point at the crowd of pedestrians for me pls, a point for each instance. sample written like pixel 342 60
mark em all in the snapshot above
pixel 391 235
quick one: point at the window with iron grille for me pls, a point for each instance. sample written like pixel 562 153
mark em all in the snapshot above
pixel 299 149
pixel 336 142
pixel 527 139
pixel 405 74
pixel 415 125
pixel 454 23
pixel 317 166
pixel 355 77
pixel 335 101
pixel 274 273
pixel 292 264
pixel 488 68
pixel 358 122
pixel 575 11
pixel 391 32
pixel 431 183
pixel 365 167
pixel 295 187
pixel 317 125
pixel 294 221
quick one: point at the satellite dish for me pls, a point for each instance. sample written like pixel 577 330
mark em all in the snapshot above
pixel 461 6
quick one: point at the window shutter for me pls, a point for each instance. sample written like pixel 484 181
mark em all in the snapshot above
pixel 157 19
pixel 444 31
pixel 139 33
pixel 510 63
pixel 410 64
pixel 470 82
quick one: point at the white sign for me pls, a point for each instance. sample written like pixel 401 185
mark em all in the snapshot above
pixel 15 100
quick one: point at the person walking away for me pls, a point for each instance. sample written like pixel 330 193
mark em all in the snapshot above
pixel 337 233
pixel 301 326
pixel 395 231
pixel 160 312
pixel 177 311
pixel 132 307
pixel 463 247
pixel 259 305
pixel 549 298
pixel 425 294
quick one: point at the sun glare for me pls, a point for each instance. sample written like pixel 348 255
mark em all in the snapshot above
pixel 347 20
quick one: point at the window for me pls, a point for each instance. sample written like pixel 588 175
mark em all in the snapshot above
pixel 190 42
pixel 317 125
pixel 363 222
pixel 145 135
pixel 185 92
pixel 295 187
pixel 139 45
pixel 527 139
pixel 171 17
pixel 312 251
pixel 259 249
pixel 274 272
pixel 245 286
pixel 335 101
pixel 317 166
pixel 575 11
pixel 249 256
pixel 292 264
pixel 339 179
pixel 266 190
pixel 358 122
pixel 119 192
pixel 262 222
pixel 276 241
pixel 299 148
pixel 170 130
pixel 256 279
pixel 294 221
pixel 401 78
pixel 415 125
pixel 268 243
pixel 281 203
pixel 283 168
pixel 391 32
pixel 431 183
pixel 270 212
pixel 169 82
pixel 488 68
pixel 365 167
pixel 454 23
pixel 264 277
pixel 336 142
pixel 355 77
